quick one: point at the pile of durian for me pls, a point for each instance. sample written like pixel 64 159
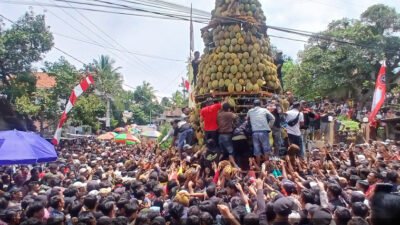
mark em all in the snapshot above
pixel 237 57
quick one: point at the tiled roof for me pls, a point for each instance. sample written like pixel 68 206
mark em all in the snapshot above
pixel 43 80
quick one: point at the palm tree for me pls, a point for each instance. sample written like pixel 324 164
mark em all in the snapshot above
pixel 144 93
pixel 108 81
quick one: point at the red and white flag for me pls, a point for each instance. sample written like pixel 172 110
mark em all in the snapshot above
pixel 76 92
pixel 379 94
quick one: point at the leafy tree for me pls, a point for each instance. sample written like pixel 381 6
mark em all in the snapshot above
pixel 41 106
pixel 146 103
pixel 66 76
pixel 165 102
pixel 333 68
pixel 108 79
pixel 178 99
pixel 87 110
pixel 23 44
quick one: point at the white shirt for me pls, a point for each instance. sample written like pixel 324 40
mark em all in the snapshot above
pixel 291 115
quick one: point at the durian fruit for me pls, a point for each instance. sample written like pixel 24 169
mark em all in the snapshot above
pixel 238 57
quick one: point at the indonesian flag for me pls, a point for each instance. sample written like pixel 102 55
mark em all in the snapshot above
pixel 185 84
pixel 75 93
pixel 379 94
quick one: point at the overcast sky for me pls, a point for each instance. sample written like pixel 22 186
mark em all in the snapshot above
pixel 170 39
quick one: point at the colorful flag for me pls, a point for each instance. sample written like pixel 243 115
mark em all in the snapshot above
pixel 379 94
pixel 76 92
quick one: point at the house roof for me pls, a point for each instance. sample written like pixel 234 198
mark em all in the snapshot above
pixel 173 113
pixel 44 80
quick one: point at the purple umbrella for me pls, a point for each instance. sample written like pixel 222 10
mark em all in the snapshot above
pixel 18 147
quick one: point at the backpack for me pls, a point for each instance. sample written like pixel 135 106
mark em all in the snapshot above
pixel 294 121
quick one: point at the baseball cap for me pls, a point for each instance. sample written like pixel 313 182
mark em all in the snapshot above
pixel 283 206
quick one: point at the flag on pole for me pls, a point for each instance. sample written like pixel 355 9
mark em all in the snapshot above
pixel 185 84
pixel 76 92
pixel 379 94
pixel 190 88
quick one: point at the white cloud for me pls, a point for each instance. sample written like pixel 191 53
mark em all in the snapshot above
pixel 171 39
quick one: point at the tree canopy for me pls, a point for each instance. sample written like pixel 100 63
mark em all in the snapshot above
pixel 343 60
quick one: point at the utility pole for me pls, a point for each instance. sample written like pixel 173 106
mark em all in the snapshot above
pixel 108 113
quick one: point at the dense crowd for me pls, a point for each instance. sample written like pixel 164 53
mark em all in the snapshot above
pixel 226 181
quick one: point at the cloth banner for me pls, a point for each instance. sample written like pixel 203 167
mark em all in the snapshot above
pixel 76 92
pixel 379 94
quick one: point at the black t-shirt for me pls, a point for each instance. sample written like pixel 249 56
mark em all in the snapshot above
pixel 277 116
pixel 325 118
pixel 195 66
pixel 279 61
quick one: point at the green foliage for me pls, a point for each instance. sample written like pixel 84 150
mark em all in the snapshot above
pixel 21 85
pixel 24 104
pixel 87 109
pixel 108 79
pixel 145 104
pixel 348 124
pixel 164 129
pixel 23 44
pixel 335 69
pixel 66 76
pixel 178 100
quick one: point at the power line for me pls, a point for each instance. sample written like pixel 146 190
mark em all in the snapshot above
pixel 80 61
pixel 62 51
pixel 120 50
pixel 300 32
pixel 112 45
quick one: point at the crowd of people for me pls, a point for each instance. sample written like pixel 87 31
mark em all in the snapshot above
pixel 226 181
pixel 105 183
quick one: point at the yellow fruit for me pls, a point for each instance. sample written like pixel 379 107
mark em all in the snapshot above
pixel 247 68
pixel 234 69
pixel 214 84
pixel 235 80
pixel 241 68
pixel 256 88
pixel 227 55
pixel 241 81
pixel 260 82
pixel 238 87
pixel 244 48
pixel 249 87
pixel 231 88
pixel 227 82
pixel 231 102
pixel 234 41
pixel 221 83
